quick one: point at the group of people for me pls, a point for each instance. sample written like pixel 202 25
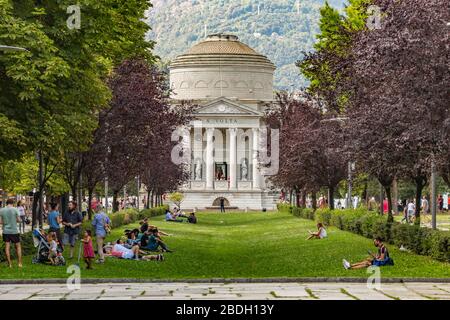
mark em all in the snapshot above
pixel 178 216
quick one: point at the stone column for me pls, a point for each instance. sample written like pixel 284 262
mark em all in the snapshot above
pixel 255 171
pixel 209 158
pixel 233 153
pixel 197 145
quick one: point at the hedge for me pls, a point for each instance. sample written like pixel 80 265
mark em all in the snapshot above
pixel 420 240
pixel 118 219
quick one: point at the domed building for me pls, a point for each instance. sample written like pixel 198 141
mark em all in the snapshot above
pixel 232 84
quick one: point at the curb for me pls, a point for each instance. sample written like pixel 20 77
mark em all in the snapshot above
pixel 225 280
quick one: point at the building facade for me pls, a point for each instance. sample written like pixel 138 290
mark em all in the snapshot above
pixel 232 84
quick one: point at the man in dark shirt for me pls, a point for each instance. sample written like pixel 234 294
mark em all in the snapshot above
pixel 72 220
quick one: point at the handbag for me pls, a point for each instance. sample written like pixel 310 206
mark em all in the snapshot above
pixel 106 226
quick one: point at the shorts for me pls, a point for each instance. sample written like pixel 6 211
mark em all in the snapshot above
pixel 128 255
pixel 379 263
pixel 70 238
pixel 410 213
pixel 14 238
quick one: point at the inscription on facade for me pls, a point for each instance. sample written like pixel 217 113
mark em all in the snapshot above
pixel 222 121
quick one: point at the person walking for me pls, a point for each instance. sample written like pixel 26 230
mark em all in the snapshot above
pixel 72 220
pixel 22 216
pixel 54 222
pixel 9 217
pixel 101 224
pixel 222 204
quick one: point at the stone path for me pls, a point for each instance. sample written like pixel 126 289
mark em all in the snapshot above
pixel 229 291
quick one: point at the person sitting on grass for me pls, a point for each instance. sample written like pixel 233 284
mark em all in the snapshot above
pixel 132 237
pixel 170 217
pixel 320 234
pixel 120 251
pixel 192 218
pixel 145 226
pixel 380 259
pixel 154 242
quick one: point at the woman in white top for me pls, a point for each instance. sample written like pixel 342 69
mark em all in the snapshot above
pixel 320 234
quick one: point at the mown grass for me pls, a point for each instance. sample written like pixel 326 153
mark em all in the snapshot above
pixel 245 245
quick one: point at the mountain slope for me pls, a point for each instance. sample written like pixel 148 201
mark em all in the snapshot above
pixel 279 29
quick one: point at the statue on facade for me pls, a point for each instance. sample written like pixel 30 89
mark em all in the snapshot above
pixel 244 170
pixel 198 170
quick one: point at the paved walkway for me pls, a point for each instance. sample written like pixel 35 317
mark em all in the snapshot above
pixel 230 291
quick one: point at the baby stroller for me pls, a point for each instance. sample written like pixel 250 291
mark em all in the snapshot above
pixel 43 250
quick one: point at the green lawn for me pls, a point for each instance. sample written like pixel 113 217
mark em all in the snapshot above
pixel 242 245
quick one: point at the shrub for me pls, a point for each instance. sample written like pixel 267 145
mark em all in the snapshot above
pixel 153 212
pixel 424 241
pixel 323 216
pixel 284 207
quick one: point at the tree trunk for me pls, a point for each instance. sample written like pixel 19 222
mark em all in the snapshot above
pixel 395 196
pixel 34 213
pixel 115 202
pixel 389 201
pixel 64 202
pixel 420 183
pixel 304 199
pixel 90 193
pixel 381 199
pixel 147 205
pixel 331 197
pixel 314 200
pixel 297 198
pixel 152 195
pixel 74 192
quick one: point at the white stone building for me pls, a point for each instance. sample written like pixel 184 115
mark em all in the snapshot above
pixel 232 84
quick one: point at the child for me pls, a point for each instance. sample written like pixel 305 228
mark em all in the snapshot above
pixel 88 249
pixel 53 253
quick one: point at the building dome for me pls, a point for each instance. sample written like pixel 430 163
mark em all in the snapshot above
pixel 221 65
pixel 221 44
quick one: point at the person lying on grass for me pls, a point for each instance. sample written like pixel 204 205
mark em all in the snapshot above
pixel 320 234
pixel 120 251
pixel 152 241
pixel 380 259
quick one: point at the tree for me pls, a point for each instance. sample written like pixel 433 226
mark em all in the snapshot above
pixel 386 72
pixel 137 128
pixel 177 198
pixel 60 82
pixel 311 153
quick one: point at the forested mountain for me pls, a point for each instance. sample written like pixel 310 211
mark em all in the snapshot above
pixel 279 29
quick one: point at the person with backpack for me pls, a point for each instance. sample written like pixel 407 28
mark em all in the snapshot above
pixel 382 257
pixel 101 224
